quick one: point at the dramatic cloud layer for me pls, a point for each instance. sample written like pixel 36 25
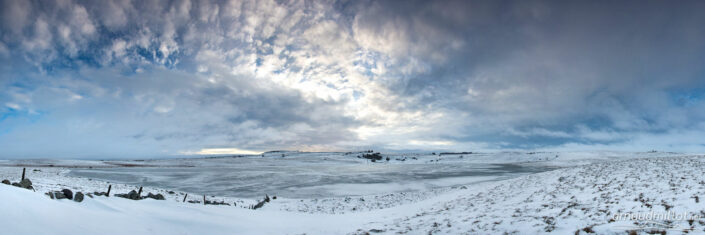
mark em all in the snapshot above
pixel 151 78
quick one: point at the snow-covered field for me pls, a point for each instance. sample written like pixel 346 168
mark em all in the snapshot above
pixel 310 175
pixel 581 196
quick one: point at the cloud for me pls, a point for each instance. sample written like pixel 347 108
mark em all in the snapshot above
pixel 521 70
pixel 145 78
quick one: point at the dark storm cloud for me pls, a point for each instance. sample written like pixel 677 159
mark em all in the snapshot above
pixel 550 66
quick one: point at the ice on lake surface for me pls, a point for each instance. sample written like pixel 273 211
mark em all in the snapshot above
pixel 306 176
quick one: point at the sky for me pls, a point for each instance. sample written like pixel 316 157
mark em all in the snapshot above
pixel 121 78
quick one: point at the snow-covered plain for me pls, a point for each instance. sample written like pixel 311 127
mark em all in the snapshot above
pixel 582 196
pixel 310 175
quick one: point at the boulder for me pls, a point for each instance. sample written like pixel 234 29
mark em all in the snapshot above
pixel 157 196
pixel 261 204
pixel 373 156
pixel 56 195
pixel 78 197
pixel 67 193
pixel 26 183
pixel 220 203
pixel 6 182
pixel 133 195
pixel 258 205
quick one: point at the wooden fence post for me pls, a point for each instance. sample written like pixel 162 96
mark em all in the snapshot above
pixel 140 192
pixel 109 187
pixel 23 170
pixel 204 199
pixel 185 197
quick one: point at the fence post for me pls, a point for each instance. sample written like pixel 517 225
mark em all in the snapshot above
pixel 204 199
pixel 140 192
pixel 185 197
pixel 109 187
pixel 23 169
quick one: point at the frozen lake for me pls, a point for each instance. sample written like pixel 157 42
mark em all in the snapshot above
pixel 306 177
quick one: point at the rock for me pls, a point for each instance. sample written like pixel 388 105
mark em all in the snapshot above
pixel 373 156
pixel 26 183
pixel 171 192
pixel 67 193
pixel 218 203
pixel 157 196
pixel 133 195
pixel 258 205
pixel 56 195
pixel 16 184
pixel 78 197
pixel 6 182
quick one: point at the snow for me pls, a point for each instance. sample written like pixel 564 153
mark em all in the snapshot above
pixel 307 175
pixel 584 195
pixel 566 200
pixel 26 212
